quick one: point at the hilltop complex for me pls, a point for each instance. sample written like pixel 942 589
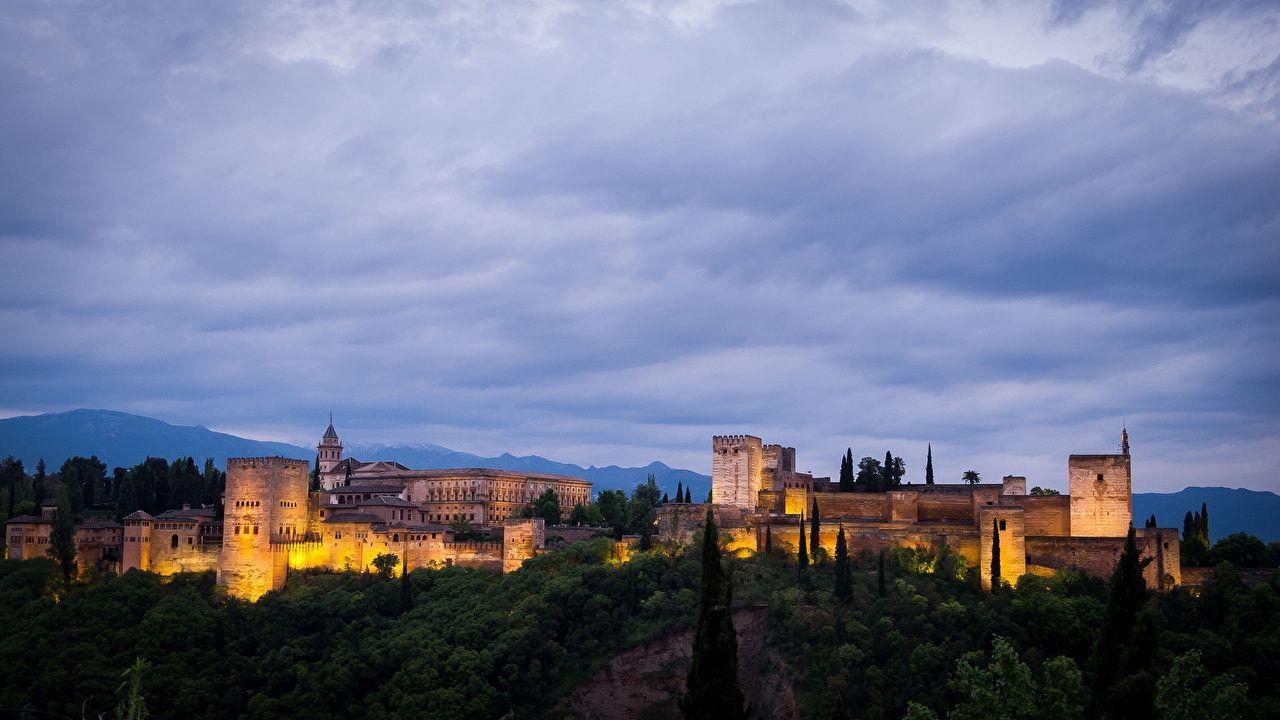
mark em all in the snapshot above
pixel 273 523
pixel 755 489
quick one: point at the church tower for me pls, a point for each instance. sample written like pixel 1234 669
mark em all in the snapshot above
pixel 330 449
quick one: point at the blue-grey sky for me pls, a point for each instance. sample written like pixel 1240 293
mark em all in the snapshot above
pixel 602 232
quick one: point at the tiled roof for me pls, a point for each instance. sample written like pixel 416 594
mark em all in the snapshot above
pixel 29 519
pixel 386 500
pixel 355 518
pixel 138 515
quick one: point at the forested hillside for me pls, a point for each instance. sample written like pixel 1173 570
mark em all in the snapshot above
pixel 457 643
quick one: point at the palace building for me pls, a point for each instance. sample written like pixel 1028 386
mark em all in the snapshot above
pixel 755 486
pixel 273 523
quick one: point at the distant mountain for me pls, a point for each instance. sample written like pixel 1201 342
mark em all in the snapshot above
pixel 121 439
pixel 428 457
pixel 1231 510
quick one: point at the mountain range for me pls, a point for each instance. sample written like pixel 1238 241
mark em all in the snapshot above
pixel 122 439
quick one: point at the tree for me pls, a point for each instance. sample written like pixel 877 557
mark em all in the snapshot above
pixel 1204 520
pixel 1001 688
pixel 846 471
pixel 880 575
pixel 679 492
pixel 1239 549
pixel 972 477
pixel 315 475
pixel 547 507
pixel 688 495
pixel 62 539
pixel 768 539
pixel 385 564
pixel 995 555
pixel 1128 592
pixel 868 479
pixel 844 573
pixel 893 471
pixel 928 465
pixel 38 484
pixel 613 508
pixel 711 690
pixel 1038 491
pixel 70 477
pixel 406 588
pixel 802 556
pixel 1150 522
pixel 665 499
pixel 1186 692
pixel 815 541
pixel 132 705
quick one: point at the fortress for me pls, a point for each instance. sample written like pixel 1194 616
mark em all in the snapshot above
pixel 273 523
pixel 755 486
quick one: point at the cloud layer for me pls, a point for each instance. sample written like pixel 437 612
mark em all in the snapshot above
pixel 603 232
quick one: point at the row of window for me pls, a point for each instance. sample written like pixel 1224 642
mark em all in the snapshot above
pixel 246 529
pixel 248 503
pixel 288 504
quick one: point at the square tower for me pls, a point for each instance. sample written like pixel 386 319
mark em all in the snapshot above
pixel 1101 495
pixel 265 504
pixel 737 466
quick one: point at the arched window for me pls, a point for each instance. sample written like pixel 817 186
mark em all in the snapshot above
pixel 173 541
pixel 395 537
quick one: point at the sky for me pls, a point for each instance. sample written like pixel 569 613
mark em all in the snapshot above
pixel 602 232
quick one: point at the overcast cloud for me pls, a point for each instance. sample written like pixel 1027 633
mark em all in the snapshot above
pixel 602 232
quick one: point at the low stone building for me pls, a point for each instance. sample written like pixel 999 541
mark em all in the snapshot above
pixel 754 487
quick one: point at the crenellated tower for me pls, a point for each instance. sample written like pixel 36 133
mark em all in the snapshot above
pixel 737 469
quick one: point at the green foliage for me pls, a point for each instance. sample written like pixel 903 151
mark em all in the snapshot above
pixel 844 577
pixel 1241 550
pixel 928 465
pixel 711 691
pixel 846 471
pixel 999 689
pixel 815 528
pixel 996 580
pixel 385 564
pixel 547 507
pixel 62 539
pixel 132 705
pixel 1038 491
pixel 869 476
pixel 1187 692
pixel 972 477
pixel 1123 639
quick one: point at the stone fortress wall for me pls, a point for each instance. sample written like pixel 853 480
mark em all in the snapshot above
pixel 1084 530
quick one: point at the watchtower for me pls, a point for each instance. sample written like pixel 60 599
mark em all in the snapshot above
pixel 1101 495
pixel 265 502
pixel 737 466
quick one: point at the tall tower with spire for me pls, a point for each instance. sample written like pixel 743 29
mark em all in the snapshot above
pixel 329 451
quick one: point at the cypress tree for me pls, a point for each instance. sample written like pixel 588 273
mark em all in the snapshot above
pixel 995 555
pixel 1127 595
pixel 315 475
pixel 62 539
pixel 1188 526
pixel 928 465
pixel 815 541
pixel 846 471
pixel 680 492
pixel 887 471
pixel 803 557
pixel 709 496
pixel 41 476
pixel 768 539
pixel 406 589
pixel 665 499
pixel 844 574
pixel 711 690
pixel 1204 521
pixel 688 495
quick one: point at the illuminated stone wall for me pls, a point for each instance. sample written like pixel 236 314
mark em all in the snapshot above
pixel 1014 485
pixel 1010 522
pixel 176 547
pixel 737 467
pixel 853 505
pixel 263 496
pixel 944 507
pixel 1047 514
pixel 1097 556
pixel 1101 499
pixel 521 540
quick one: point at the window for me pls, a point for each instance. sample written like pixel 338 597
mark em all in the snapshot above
pixel 255 529
pixel 1002 525
pixel 1099 477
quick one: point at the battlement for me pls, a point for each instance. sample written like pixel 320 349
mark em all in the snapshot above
pixel 276 461
pixel 721 440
